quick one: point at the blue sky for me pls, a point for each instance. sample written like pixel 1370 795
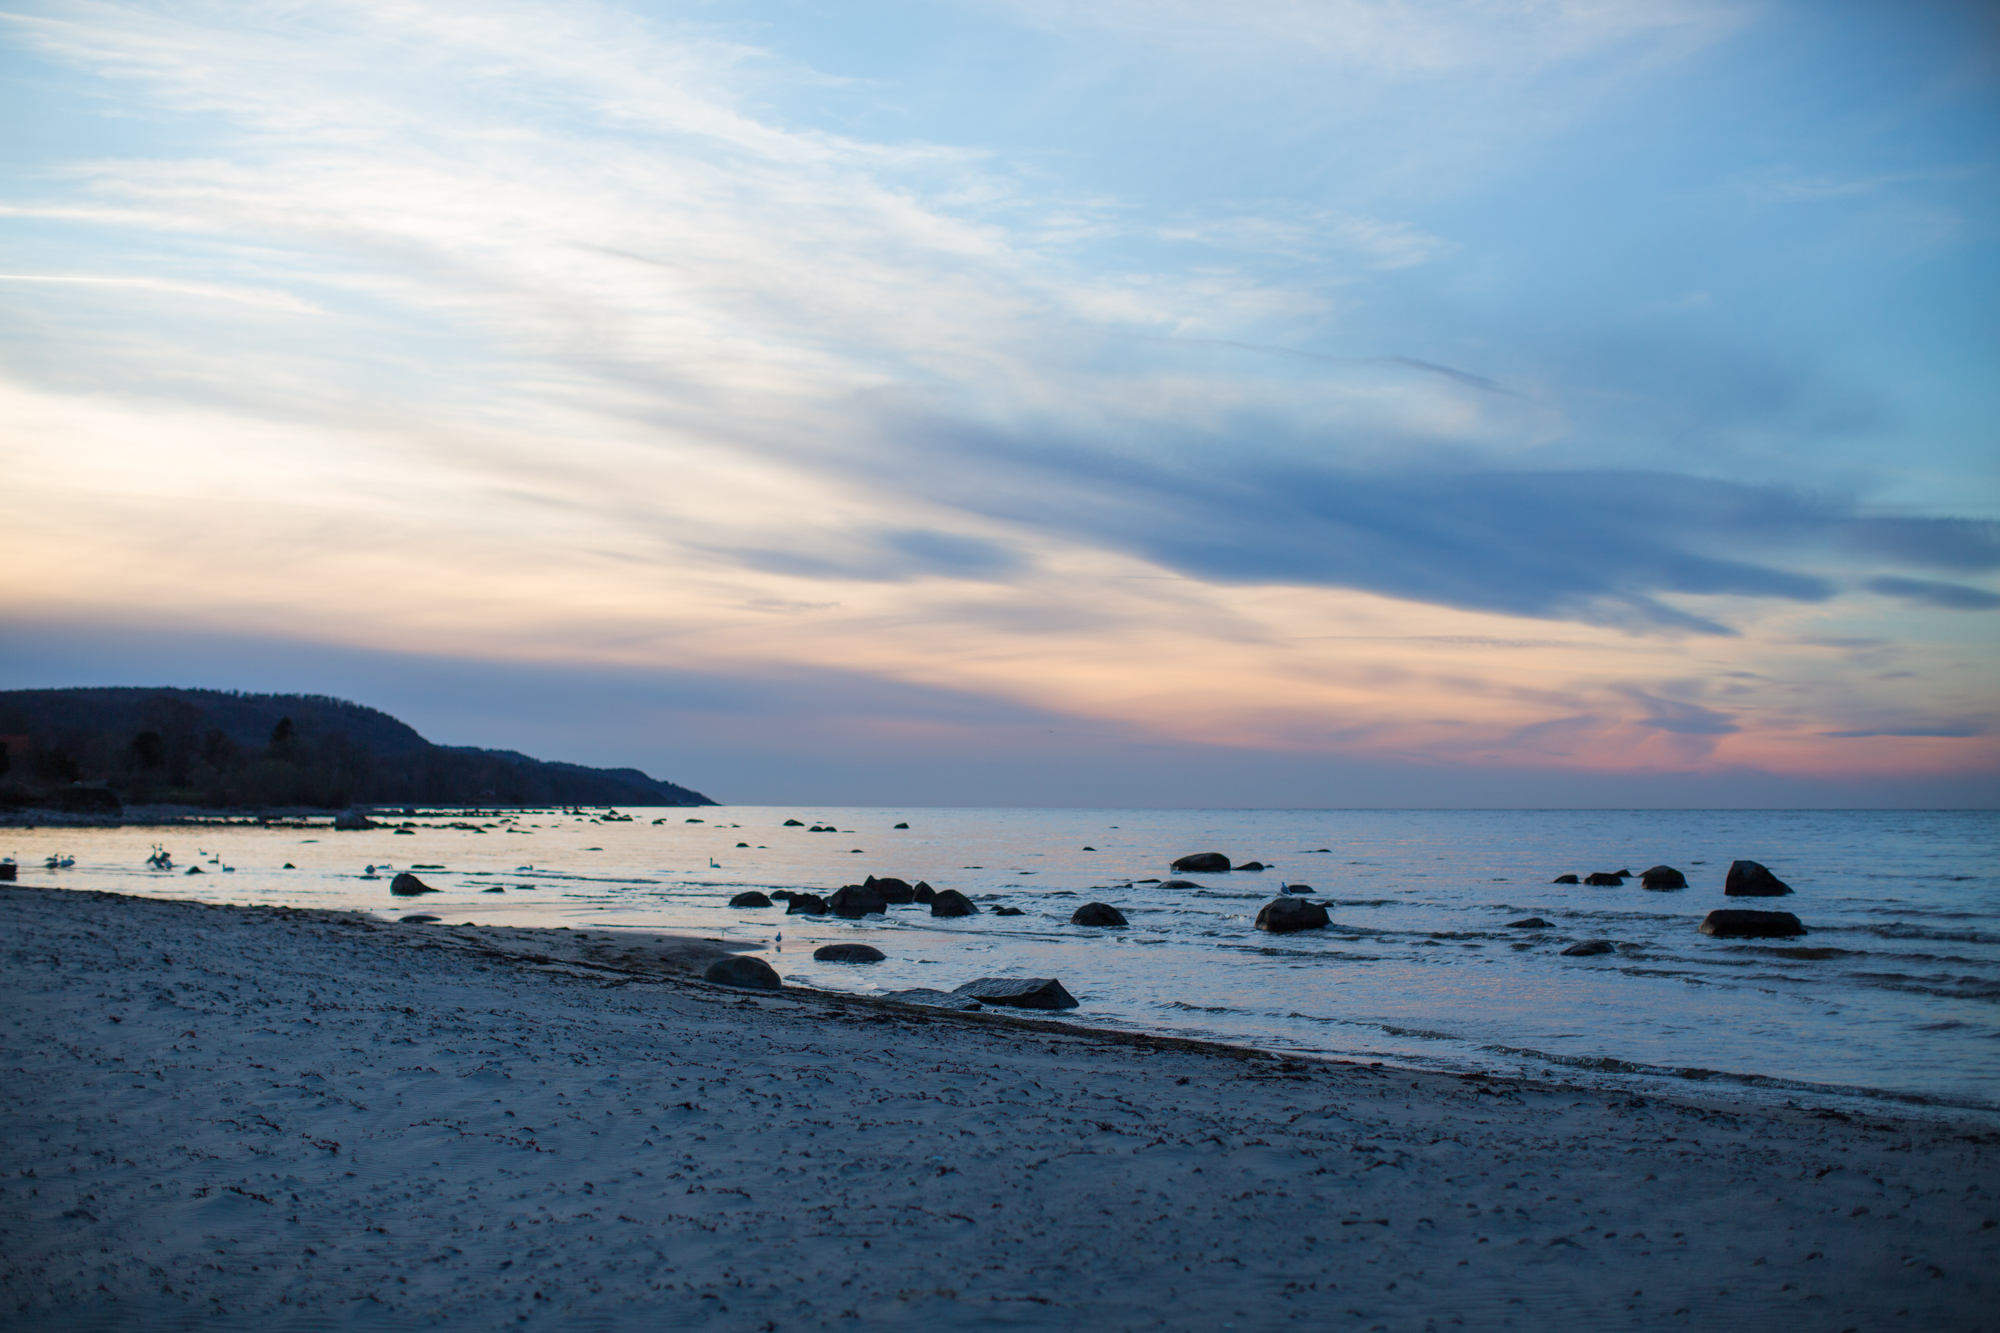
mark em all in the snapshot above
pixel 1501 401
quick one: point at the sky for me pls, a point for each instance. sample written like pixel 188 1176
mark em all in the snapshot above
pixel 1001 402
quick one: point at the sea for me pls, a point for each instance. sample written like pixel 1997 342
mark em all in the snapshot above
pixel 1890 1003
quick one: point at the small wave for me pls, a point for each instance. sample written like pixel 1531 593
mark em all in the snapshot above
pixel 1604 1064
pixel 1902 930
pixel 1205 1008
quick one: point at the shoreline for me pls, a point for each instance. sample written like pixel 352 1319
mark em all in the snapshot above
pixel 544 1125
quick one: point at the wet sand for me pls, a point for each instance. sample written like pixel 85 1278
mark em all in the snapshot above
pixel 231 1117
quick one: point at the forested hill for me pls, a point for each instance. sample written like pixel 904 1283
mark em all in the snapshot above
pixel 219 748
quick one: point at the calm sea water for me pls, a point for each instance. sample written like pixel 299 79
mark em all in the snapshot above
pixel 1895 994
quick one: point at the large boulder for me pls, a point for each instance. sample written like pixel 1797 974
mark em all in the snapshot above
pixel 805 904
pixel 923 893
pixel 856 900
pixel 849 953
pixel 348 821
pixel 953 903
pixel 1097 914
pixel 1661 878
pixel 1282 916
pixel 1201 863
pixel 1747 879
pixel 1605 879
pixel 742 970
pixel 407 885
pixel 1018 992
pixel 1586 948
pixel 893 890
pixel 1739 924
pixel 750 899
pixel 89 801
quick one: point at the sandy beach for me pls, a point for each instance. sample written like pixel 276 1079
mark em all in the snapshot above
pixel 232 1117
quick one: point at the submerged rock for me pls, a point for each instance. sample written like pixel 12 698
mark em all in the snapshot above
pixel 849 953
pixel 1565 879
pixel 741 970
pixel 934 999
pixel 1528 923
pixel 1586 948
pixel 1297 888
pixel 1253 865
pixel 1018 992
pixel 1007 911
pixel 1282 916
pixel 407 885
pixel 750 899
pixel 953 903
pixel 418 919
pixel 1097 914
pixel 1201 863
pixel 1661 878
pixel 805 904
pixel 1172 883
pixel 1747 879
pixel 1741 924
pixel 348 821
pixel 1605 879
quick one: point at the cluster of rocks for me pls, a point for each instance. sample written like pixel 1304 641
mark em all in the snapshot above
pixel 1746 879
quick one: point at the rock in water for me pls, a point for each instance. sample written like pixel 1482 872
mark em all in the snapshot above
pixel 1253 865
pixel 1097 914
pixel 1201 863
pixel 350 820
pixel 934 999
pixel 407 885
pixel 1747 879
pixel 893 890
pixel 750 899
pixel 418 919
pixel 1738 924
pixel 1019 992
pixel 923 893
pixel 1604 879
pixel 856 900
pixel 1282 916
pixel 849 953
pixel 1585 948
pixel 806 904
pixel 1297 888
pixel 740 970
pixel 953 903
pixel 1176 884
pixel 1007 911
pixel 1660 878
pixel 1528 923
pixel 1565 879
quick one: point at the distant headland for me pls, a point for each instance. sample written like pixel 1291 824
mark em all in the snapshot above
pixel 94 750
